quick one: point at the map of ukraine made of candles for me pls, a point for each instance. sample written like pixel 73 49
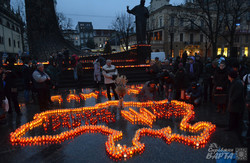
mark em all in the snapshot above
pixel 84 120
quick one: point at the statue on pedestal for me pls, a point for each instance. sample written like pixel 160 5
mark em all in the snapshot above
pixel 141 13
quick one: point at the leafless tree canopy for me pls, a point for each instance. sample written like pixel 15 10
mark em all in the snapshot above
pixel 123 24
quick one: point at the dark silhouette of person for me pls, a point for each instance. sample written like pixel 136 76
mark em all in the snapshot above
pixel 141 13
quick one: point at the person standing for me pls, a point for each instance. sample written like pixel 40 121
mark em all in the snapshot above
pixel 236 101
pixel 97 73
pixel 41 80
pixel 10 88
pixel 27 80
pixel 110 73
pixel 220 90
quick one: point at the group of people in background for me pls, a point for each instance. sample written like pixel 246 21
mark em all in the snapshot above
pixel 221 81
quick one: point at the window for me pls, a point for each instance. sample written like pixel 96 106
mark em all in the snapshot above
pixel 219 51
pixel 9 42
pixel 246 51
pixel 17 29
pixel 100 39
pixel 181 22
pixel 14 43
pixel 8 24
pixel 181 37
pixel 13 27
pixel 248 16
pixel 225 52
pixel 18 44
pixel 172 21
pixel 191 25
pixel 1 40
pixel 1 22
pixel 160 21
pixel 191 38
pixel 201 37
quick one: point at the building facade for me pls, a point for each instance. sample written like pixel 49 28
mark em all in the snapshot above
pixel 242 36
pixel 11 31
pixel 169 33
pixel 72 36
pixel 101 36
pixel 85 29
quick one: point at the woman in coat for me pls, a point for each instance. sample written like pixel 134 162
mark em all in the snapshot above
pixel 220 89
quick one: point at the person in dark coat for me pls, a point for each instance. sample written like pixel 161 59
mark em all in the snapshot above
pixel 2 113
pixel 208 79
pixel 10 89
pixel 192 70
pixel 53 72
pixel 176 63
pixel 184 58
pixel 236 101
pixel 153 70
pixel 220 89
pixel 27 80
pixel 181 83
pixel 194 94
pixel 167 84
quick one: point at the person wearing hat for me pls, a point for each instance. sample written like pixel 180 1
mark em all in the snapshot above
pixel 41 80
pixel 192 69
pixel 235 102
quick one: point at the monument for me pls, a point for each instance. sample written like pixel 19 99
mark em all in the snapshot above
pixel 44 35
pixel 141 14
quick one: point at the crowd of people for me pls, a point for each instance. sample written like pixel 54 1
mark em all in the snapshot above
pixel 221 81
pixel 224 82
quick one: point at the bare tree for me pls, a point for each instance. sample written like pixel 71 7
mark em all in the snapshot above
pixel 233 10
pixel 64 22
pixel 123 25
pixel 206 16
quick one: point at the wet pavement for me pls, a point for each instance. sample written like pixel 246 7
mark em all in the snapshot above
pixel 90 147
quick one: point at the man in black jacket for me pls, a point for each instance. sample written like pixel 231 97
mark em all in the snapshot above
pixel 10 88
pixel 235 102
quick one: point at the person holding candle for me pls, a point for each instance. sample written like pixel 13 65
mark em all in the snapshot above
pixel 110 73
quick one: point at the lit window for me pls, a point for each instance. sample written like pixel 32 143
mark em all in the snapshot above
pixel 219 51
pixel 225 52
pixel 246 51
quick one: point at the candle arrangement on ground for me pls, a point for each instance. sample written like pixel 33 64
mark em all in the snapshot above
pixel 134 89
pixel 92 119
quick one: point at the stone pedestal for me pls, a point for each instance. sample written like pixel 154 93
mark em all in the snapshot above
pixel 143 53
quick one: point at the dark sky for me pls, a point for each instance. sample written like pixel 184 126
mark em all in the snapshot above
pixel 100 12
